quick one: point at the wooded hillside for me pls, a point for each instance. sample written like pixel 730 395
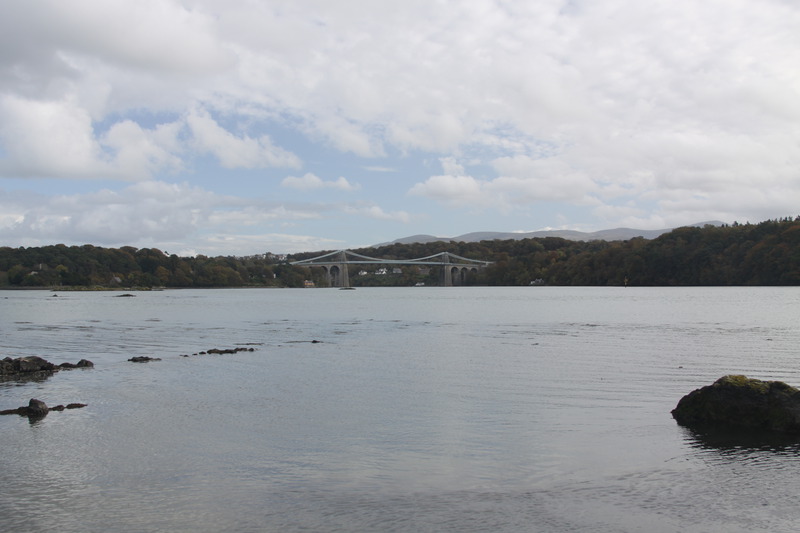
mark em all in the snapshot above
pixel 767 253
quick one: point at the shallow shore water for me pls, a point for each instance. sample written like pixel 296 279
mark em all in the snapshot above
pixel 420 409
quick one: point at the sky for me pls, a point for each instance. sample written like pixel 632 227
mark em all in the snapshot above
pixel 240 127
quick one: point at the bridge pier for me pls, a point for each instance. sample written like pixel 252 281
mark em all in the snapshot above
pixel 338 275
pixel 344 276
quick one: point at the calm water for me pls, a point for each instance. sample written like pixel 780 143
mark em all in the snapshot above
pixel 422 409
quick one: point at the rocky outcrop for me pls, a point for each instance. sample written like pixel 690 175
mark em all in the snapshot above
pixel 38 409
pixel 33 367
pixel 222 351
pixel 143 359
pixel 30 363
pixel 741 402
pixel 83 363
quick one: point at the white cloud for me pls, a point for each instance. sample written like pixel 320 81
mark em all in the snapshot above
pixel 42 138
pixel 456 191
pixel 256 215
pixel 523 181
pixel 309 182
pixel 57 139
pixel 624 110
pixel 145 211
pixel 178 217
pixel 237 152
pixel 377 213
pixel 149 34
pixel 144 152
pixel 233 243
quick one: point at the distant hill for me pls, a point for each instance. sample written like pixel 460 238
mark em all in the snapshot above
pixel 616 234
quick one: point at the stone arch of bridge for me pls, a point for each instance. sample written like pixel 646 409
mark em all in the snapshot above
pixel 337 275
pixel 458 274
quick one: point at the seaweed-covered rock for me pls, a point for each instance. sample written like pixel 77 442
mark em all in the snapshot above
pixel 223 351
pixel 741 402
pixel 143 359
pixel 26 368
pixel 33 367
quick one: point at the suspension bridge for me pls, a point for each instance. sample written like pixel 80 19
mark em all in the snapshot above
pixel 455 268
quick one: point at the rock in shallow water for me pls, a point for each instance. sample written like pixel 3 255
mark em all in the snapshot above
pixel 741 402
pixel 38 409
pixel 32 367
pixel 143 359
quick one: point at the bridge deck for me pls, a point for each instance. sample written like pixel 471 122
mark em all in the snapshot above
pixel 341 257
pixel 336 263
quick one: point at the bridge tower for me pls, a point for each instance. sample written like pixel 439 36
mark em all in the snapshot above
pixel 448 274
pixel 343 275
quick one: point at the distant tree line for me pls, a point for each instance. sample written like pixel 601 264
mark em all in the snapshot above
pixel 93 266
pixel 767 253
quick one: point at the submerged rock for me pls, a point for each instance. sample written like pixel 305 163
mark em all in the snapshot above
pixel 223 351
pixel 83 363
pixel 741 402
pixel 38 409
pixel 143 359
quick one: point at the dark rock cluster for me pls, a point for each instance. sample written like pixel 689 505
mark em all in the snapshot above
pixel 143 359
pixel 32 367
pixel 740 402
pixel 219 351
pixel 83 363
pixel 38 409
pixel 223 351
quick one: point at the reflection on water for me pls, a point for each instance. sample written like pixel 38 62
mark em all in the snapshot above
pixel 463 409
pixel 732 442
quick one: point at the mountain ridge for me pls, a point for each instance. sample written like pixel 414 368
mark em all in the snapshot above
pixel 615 234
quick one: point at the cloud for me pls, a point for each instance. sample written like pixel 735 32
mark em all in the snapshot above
pixel 523 181
pixel 179 217
pixel 42 138
pixel 144 212
pixel 245 216
pixel 376 213
pixel 455 191
pixel 614 111
pixel 151 34
pixel 233 243
pixel 237 152
pixel 309 182
pixel 57 139
pixel 143 152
